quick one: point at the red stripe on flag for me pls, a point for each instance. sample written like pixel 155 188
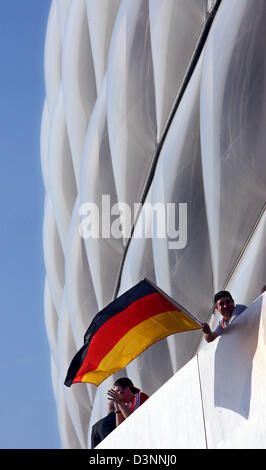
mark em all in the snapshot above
pixel 116 327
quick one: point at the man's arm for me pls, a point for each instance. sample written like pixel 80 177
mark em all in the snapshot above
pixel 124 412
pixel 121 410
pixel 208 334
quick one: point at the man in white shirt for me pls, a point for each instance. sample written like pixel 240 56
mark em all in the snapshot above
pixel 225 305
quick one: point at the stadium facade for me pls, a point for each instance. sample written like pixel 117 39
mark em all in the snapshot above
pixel 150 101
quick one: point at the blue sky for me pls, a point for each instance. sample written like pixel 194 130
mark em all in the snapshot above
pixel 27 405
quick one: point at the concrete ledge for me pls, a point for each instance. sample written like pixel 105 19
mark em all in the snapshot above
pixel 217 400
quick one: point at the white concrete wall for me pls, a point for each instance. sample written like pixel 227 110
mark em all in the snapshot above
pixel 217 400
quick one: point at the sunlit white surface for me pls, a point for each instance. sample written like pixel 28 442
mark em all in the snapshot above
pixel 217 400
pixel 111 80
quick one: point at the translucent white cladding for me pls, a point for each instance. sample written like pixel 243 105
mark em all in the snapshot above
pixel 233 117
pixel 113 70
pixel 77 399
pixel 62 12
pixel 210 4
pixel 51 321
pixel 174 23
pixel 79 288
pixel 104 251
pixel 142 82
pixel 53 255
pixel 52 58
pixel 78 71
pixel 101 19
pixel 178 180
pixel 62 185
pixel 45 129
pixel 185 262
pixel 247 280
pixel 130 100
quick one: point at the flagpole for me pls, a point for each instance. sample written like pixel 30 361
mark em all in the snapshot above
pixel 174 302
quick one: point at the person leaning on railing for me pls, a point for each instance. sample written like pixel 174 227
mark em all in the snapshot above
pixel 225 305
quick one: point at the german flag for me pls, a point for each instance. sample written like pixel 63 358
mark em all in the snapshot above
pixel 124 329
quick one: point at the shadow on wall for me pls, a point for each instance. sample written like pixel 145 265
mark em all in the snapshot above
pixel 233 362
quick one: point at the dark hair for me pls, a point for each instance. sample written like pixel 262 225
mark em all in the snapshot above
pixel 222 293
pixel 125 382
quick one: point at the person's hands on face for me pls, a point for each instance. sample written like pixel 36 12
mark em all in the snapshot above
pixel 114 396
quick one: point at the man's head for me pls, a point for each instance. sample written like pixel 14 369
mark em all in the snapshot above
pixel 224 303
pixel 125 388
